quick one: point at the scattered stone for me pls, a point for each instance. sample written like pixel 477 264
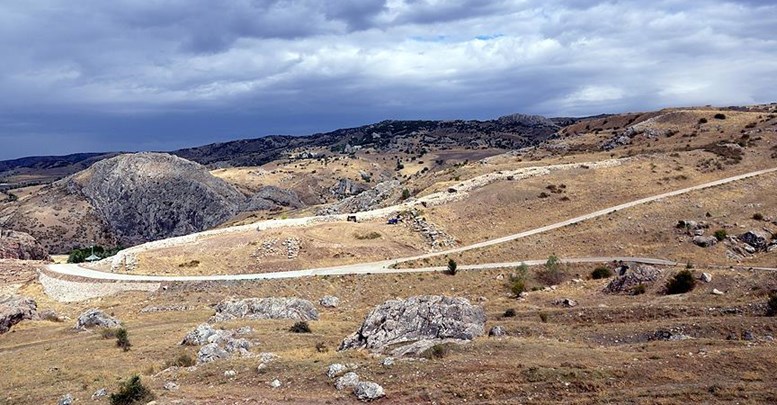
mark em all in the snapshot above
pixel 706 277
pixel 749 249
pixel 267 357
pixel 387 362
pixel 715 291
pixel 275 383
pixel 629 278
pixel 368 391
pixel 66 399
pixel 418 318
pixel 96 318
pixel 705 241
pixel 168 308
pixel 698 232
pixel 170 386
pixel 261 367
pixel 669 335
pixel 102 392
pixel 230 374
pixel 348 380
pixel 565 302
pixel 15 309
pixel 51 316
pixel 265 308
pixel 329 301
pixel 497 331
pixel 211 352
pixel 748 336
pixel 335 369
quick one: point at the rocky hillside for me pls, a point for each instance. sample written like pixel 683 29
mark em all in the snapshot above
pixel 150 196
pixel 19 245
pixel 131 199
pixel 508 132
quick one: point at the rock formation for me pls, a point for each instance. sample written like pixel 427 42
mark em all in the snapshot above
pixel 19 245
pixel 265 308
pixel 15 309
pixel 417 318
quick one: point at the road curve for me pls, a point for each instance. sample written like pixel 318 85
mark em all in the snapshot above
pixel 386 266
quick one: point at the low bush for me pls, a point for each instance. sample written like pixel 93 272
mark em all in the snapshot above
pixel 300 327
pixel 551 273
pixel 702 120
pixel 601 272
pixel 452 267
pixel 720 235
pixel 639 289
pixel 720 116
pixel 681 283
pixel 368 236
pixel 771 305
pixel 509 313
pixel 122 339
pixel 517 287
pixel 108 333
pixel 437 351
pixel 758 216
pixel 183 360
pixel 132 392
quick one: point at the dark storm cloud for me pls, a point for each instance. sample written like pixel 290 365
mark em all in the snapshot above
pixel 93 75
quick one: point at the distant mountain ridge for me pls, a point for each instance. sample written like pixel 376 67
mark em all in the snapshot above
pixel 507 132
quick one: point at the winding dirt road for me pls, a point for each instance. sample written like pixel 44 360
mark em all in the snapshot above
pixel 386 266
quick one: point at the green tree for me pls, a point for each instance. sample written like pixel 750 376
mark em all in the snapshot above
pixel 452 267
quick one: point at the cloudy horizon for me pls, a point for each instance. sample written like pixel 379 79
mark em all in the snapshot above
pixel 127 75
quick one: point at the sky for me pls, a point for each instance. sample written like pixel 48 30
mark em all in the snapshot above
pixel 126 75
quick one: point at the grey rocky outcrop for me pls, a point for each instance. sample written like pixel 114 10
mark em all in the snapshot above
pixel 96 318
pixel 265 308
pixel 368 391
pixel 417 318
pixel 21 246
pixel 200 335
pixel 329 301
pixel 150 196
pixel 66 399
pixel 757 239
pixel 211 352
pixel 102 392
pixel 348 380
pixel 14 309
pixel 364 201
pixel 346 188
pixel 335 369
pixel 629 278
pixel 271 197
pixel 705 241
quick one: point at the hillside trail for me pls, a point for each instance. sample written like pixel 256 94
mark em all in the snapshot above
pixel 387 266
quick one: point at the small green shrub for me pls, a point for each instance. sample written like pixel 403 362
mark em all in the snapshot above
pixel 771 305
pixel 720 116
pixel 183 360
pixel 681 283
pixel 551 274
pixel 509 313
pixel 122 339
pixel 300 327
pixel 639 289
pixel 702 120
pixel 758 216
pixel 518 287
pixel 452 267
pixel 720 235
pixel 601 272
pixel 132 392
pixel 405 194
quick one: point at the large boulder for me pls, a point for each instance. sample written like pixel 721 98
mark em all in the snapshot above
pixel 96 318
pixel 211 352
pixel 428 317
pixel 629 278
pixel 15 309
pixel 22 246
pixel 265 308
pixel 705 241
pixel 758 239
